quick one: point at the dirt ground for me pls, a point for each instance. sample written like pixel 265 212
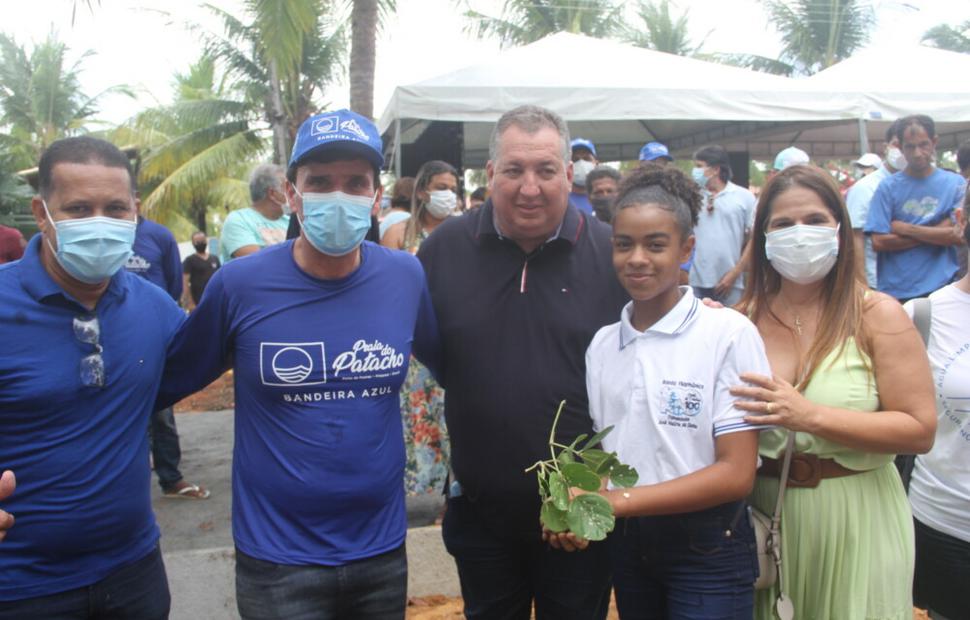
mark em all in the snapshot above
pixel 219 396
pixel 216 397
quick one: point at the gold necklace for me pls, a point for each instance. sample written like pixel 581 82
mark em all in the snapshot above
pixel 797 317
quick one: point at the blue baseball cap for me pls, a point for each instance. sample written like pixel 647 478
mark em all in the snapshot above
pixel 583 143
pixel 654 150
pixel 341 129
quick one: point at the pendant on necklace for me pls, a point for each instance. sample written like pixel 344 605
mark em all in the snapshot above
pixel 798 324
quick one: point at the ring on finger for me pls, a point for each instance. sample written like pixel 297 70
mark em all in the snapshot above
pixel 769 407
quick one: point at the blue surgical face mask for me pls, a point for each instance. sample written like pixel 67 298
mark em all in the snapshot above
pixel 92 249
pixel 335 223
pixel 697 173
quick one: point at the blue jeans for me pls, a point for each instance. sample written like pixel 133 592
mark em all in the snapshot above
pixel 699 565
pixel 942 582
pixel 166 452
pixel 501 574
pixel 373 588
pixel 138 591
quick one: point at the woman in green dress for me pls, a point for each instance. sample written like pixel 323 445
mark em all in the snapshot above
pixel 852 382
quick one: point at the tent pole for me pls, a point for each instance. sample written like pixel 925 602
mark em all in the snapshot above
pixel 397 147
pixel 863 137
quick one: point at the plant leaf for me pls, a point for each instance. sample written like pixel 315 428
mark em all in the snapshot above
pixel 566 457
pixel 623 475
pixel 558 491
pixel 599 461
pixel 597 438
pixel 580 475
pixel 552 517
pixel 590 517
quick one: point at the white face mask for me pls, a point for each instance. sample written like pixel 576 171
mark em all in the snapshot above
pixel 581 168
pixel 895 158
pixel 803 254
pixel 441 203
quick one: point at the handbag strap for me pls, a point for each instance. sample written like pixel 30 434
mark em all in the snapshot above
pixel 776 517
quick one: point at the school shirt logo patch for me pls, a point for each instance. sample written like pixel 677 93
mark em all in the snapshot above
pixel 680 401
pixel 292 363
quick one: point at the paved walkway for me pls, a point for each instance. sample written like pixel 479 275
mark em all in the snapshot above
pixel 197 534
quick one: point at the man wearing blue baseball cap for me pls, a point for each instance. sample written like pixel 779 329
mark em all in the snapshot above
pixel 655 152
pixel 583 154
pixel 319 330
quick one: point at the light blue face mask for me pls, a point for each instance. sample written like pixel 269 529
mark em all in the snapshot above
pixel 92 249
pixel 697 173
pixel 335 223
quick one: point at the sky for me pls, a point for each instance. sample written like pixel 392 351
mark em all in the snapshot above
pixel 143 43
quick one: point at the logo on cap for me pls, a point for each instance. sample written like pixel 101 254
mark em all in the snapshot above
pixel 324 124
pixel 352 126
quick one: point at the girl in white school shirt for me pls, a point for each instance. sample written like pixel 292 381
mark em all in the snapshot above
pixel 683 546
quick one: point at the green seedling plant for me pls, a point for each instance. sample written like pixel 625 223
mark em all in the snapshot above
pixel 587 515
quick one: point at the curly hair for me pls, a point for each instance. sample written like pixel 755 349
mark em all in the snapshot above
pixel 664 186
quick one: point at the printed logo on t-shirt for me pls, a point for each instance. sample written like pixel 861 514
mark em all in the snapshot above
pixel 680 402
pixel 137 264
pixel 292 363
pixel 326 124
pixel 921 208
pixel 366 360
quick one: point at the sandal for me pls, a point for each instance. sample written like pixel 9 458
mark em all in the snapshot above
pixel 184 490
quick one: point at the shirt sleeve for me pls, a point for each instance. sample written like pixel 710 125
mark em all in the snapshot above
pixel 427 342
pixel 745 353
pixel 171 266
pixel 237 233
pixel 880 217
pixel 200 351
pixel 593 389
pixel 857 201
pixel 186 268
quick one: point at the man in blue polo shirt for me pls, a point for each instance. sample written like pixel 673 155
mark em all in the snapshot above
pixel 583 155
pixel 318 331
pixel 911 219
pixel 84 345
pixel 155 257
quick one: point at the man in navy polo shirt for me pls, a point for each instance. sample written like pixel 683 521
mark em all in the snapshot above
pixel 520 286
pixel 318 331
pixel 84 346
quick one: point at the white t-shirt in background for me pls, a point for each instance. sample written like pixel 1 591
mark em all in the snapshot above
pixel 940 487
pixel 665 390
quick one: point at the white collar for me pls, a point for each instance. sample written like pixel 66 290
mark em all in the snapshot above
pixel 671 323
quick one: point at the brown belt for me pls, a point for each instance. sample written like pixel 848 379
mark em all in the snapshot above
pixel 806 470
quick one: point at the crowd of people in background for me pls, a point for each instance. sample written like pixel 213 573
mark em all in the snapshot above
pixel 772 352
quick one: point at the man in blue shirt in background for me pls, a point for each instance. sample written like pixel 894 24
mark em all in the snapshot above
pixel 319 331
pixel 911 220
pixel 155 257
pixel 85 342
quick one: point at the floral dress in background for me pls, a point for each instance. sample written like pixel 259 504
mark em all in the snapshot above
pixel 425 435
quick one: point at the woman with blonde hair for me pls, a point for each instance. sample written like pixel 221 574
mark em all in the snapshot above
pixel 851 387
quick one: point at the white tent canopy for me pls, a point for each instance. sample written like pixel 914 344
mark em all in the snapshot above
pixel 621 97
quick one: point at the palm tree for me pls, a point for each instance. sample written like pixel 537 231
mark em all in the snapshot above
pixel 815 35
pixel 281 60
pixel 195 151
pixel 41 97
pixel 366 19
pixel 946 37
pixel 660 31
pixel 525 21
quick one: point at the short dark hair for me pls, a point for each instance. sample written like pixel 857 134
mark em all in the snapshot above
pixel 891 131
pixel 715 155
pixel 80 150
pixel 326 156
pixel 665 186
pixel 963 157
pixel 920 120
pixel 601 172
pixel 479 193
